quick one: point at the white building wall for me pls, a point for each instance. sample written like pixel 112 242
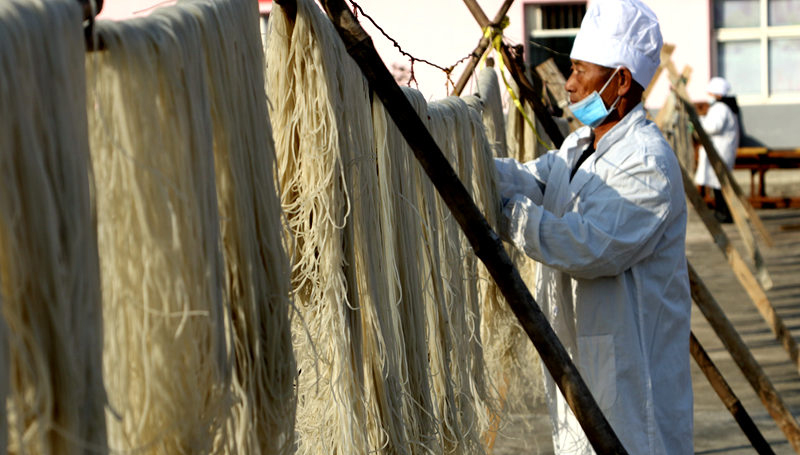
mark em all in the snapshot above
pixel 686 24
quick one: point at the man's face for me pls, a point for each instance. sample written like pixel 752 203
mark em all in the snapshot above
pixel 587 77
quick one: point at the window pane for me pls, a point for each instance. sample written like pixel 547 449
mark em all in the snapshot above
pixel 736 13
pixel 784 12
pixel 556 17
pixel 739 63
pixel 784 61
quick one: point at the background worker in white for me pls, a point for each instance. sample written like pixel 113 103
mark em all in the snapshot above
pixel 722 126
pixel 610 240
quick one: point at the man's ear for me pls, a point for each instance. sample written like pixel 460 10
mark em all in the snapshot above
pixel 625 81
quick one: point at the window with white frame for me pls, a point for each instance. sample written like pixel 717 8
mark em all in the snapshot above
pixel 758 48
pixel 551 28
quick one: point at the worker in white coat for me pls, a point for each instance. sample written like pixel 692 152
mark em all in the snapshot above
pixel 606 217
pixel 722 126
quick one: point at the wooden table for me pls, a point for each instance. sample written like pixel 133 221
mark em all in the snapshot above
pixel 761 159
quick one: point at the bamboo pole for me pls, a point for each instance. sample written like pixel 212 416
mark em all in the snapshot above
pixel 477 13
pixel 480 49
pixel 528 92
pixel 744 359
pixel 728 397
pixel 484 241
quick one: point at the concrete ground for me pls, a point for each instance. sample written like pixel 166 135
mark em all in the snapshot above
pixel 715 430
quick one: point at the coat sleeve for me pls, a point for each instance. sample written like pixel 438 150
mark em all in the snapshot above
pixel 714 121
pixel 618 223
pixel 527 179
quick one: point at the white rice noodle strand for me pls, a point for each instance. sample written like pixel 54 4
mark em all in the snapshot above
pixel 49 271
pixel 167 360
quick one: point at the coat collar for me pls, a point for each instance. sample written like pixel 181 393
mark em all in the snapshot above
pixel 620 130
pixel 582 138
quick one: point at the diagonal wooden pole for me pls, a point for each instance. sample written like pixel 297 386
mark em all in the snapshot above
pixel 516 68
pixel 740 269
pixel 738 205
pixel 730 189
pixel 742 272
pixel 484 241
pixel 744 359
pixel 555 83
pixel 666 54
pixel 728 397
pixel 667 112
pixel 481 48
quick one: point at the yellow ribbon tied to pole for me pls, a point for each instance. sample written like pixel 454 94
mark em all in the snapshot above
pixel 495 34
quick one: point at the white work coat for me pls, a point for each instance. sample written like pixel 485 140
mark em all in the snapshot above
pixel 722 127
pixel 613 279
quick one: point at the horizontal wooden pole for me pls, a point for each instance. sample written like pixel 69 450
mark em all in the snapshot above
pixel 485 242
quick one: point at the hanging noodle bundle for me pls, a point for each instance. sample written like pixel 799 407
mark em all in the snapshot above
pixel 166 356
pixel 511 357
pixel 49 272
pixel 257 269
pixel 400 180
pixel 349 347
pixel 389 346
pixel 197 357
pixel 493 117
pixel 330 413
pixel 525 144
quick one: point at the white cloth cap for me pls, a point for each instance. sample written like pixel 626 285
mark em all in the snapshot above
pixel 718 86
pixel 620 33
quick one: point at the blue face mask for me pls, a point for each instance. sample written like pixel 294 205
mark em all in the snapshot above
pixel 591 111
